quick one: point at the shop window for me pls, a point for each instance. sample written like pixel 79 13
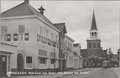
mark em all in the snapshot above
pixel 52 61
pixel 8 37
pixel 42 60
pixel 29 59
pixel 26 36
pixel 15 37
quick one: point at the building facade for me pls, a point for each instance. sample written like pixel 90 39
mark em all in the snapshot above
pixel 77 56
pixel 36 38
pixel 6 51
pixel 68 50
pixel 63 31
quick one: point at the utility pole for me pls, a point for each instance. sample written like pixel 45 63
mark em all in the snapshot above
pixel 54 57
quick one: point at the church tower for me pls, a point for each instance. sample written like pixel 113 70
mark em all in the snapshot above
pixel 93 43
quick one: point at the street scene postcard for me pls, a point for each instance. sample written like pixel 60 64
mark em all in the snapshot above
pixel 59 39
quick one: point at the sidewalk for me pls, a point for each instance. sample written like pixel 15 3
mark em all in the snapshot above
pixel 117 71
pixel 56 75
pixel 38 76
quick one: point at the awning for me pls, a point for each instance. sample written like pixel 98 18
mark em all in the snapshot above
pixel 6 48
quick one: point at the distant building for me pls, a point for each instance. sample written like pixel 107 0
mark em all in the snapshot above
pixel 62 61
pixel 68 50
pixel 77 56
pixel 93 43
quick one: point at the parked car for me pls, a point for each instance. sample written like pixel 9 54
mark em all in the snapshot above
pixel 106 64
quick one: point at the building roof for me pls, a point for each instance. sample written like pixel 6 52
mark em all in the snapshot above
pixel 24 9
pixel 69 38
pixel 61 27
pixel 93 25
pixel 76 44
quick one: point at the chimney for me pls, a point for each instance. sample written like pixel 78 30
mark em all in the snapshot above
pixel 26 1
pixel 41 9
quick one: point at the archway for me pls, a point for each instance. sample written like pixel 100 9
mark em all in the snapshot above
pixel 20 62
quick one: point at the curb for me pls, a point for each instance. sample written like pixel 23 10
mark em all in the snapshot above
pixel 63 75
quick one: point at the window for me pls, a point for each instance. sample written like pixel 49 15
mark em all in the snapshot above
pixel 42 60
pixel 98 45
pixel 40 30
pixel 26 36
pixel 21 29
pixel 95 33
pixel 89 45
pixel 3 30
pixel 8 37
pixel 52 61
pixel 93 45
pixel 29 59
pixel 92 34
pixel 15 37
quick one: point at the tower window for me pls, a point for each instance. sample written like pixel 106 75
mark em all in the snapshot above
pixel 93 45
pixel 92 33
pixel 95 33
pixel 89 45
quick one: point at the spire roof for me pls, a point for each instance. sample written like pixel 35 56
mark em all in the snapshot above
pixel 93 25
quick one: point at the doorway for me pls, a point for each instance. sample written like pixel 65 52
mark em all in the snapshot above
pixel 20 62
pixel 3 65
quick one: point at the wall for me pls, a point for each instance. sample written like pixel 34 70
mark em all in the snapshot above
pixel 32 46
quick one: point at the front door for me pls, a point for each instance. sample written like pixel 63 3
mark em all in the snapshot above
pixel 20 62
pixel 3 65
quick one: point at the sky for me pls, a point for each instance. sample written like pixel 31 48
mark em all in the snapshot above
pixel 77 16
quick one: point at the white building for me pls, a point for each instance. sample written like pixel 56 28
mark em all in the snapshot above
pixel 69 52
pixel 77 56
pixel 36 38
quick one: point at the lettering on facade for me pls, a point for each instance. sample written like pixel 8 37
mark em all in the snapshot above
pixel 15 37
pixel 47 41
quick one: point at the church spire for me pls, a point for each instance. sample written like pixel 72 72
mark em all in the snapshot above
pixel 93 25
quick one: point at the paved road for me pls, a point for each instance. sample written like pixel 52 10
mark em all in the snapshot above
pixel 95 73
